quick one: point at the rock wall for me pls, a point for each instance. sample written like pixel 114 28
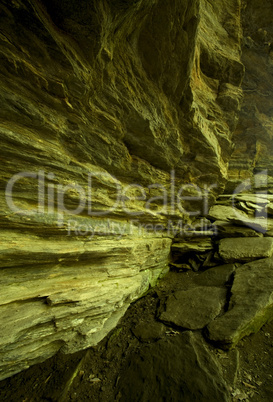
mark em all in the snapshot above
pixel 107 110
pixel 253 135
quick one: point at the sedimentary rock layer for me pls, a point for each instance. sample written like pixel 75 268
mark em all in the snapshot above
pixel 253 136
pixel 107 109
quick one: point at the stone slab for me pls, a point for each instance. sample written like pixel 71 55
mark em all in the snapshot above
pixel 225 213
pixel 245 249
pixel 194 308
pixel 226 229
pixel 216 276
pixel 250 306
pixel 198 245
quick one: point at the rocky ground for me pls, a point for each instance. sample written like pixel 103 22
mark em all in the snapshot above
pixel 145 359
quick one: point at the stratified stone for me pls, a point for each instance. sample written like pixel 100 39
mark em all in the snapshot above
pixel 178 368
pixel 253 136
pixel 180 266
pixel 247 201
pixel 225 213
pixel 258 199
pixel 68 296
pixel 260 224
pixel 250 307
pixel 226 229
pixel 234 216
pixel 99 102
pixel 194 308
pixel 198 245
pixel 245 249
pixel 269 209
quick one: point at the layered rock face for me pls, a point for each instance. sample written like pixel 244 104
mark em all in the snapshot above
pixel 253 136
pixel 107 110
pixel 238 247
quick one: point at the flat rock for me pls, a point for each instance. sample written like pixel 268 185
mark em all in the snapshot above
pixel 258 199
pixel 225 213
pixel 227 229
pixel 180 266
pixel 249 208
pixel 250 307
pixel 269 233
pixel 179 368
pixel 255 198
pixel 198 245
pixel 216 276
pixel 260 224
pixel 245 249
pixel 194 308
pixel 238 217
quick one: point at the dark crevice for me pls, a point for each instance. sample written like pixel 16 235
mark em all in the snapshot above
pixel 229 291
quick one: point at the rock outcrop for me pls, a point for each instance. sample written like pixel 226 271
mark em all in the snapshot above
pixel 116 133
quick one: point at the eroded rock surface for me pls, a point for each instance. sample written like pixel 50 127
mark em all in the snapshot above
pixel 253 135
pixel 97 96
pixel 107 110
